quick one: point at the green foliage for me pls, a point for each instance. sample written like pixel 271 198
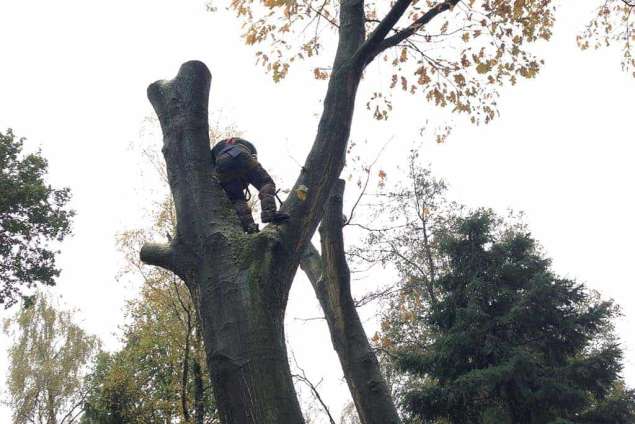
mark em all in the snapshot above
pixel 32 214
pixel 142 383
pixel 479 329
pixel 510 339
pixel 47 363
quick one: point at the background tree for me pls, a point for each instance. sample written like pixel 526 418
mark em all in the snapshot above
pixel 47 362
pixel 508 340
pixel 160 374
pixel 614 23
pixel 32 214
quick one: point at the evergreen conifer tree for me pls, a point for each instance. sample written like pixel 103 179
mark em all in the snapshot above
pixel 511 342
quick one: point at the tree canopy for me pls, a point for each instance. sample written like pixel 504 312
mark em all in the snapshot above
pixel 32 214
pixel 455 53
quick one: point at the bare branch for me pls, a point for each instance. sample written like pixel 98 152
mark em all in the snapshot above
pixel 363 192
pixel 304 379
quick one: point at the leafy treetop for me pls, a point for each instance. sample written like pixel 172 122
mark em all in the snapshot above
pixel 32 214
pixel 455 53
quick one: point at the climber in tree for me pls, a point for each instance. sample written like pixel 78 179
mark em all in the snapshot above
pixel 237 166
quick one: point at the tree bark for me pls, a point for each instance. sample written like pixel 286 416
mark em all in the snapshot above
pixel 330 277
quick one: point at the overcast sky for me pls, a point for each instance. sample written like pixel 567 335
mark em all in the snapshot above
pixel 73 78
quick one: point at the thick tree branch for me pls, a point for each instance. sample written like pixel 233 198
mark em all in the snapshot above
pixel 326 159
pixel 330 278
pixel 311 264
pixel 403 34
pixel 418 24
pixel 332 240
pixel 382 29
pixel 181 105
pixel 202 208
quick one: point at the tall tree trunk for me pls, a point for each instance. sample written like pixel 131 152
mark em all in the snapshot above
pixel 330 277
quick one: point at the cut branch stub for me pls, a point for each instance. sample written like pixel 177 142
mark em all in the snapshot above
pixel 158 254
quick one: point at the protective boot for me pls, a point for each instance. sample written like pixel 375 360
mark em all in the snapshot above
pixel 246 219
pixel 267 196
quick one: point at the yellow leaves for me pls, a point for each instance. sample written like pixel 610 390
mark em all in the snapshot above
pixel 519 5
pixel 301 191
pixel 289 6
pixel 403 56
pixel 424 78
pixel 444 27
pixel 280 70
pixel 483 68
pixel 437 96
pixel 375 338
pixel 319 74
pixel 459 79
pixel 529 71
pixel 441 137
pixel 251 38
pixel 383 106
pixel 466 37
pixel 382 178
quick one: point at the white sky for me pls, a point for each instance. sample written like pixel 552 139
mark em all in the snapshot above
pixel 73 79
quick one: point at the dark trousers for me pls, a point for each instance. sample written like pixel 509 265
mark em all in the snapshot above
pixel 236 173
